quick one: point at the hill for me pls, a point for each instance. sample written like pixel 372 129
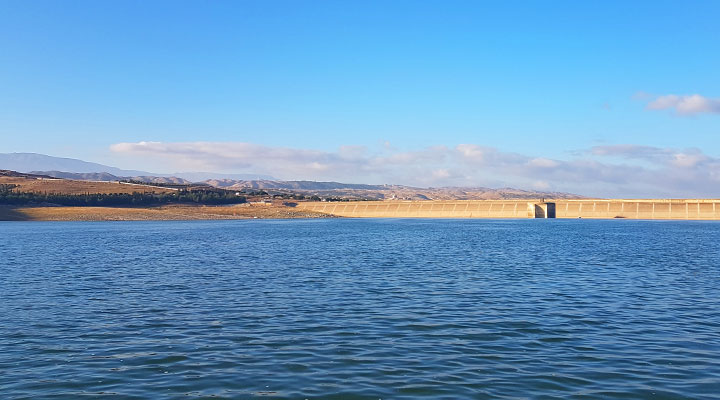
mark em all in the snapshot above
pixel 79 170
pixel 33 183
pixel 27 162
pixel 104 176
pixel 385 192
pixel 17 189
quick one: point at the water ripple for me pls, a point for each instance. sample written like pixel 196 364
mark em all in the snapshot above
pixel 360 309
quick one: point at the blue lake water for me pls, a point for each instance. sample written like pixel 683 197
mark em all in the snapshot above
pixel 360 309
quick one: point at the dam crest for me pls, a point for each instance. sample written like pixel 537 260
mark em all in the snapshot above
pixel 671 209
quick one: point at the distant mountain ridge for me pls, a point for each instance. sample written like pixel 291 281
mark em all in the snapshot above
pixel 15 174
pixel 289 185
pixel 387 192
pixel 27 162
pixel 106 177
pixel 81 170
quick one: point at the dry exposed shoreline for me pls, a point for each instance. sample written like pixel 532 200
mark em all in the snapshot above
pixel 162 213
pixel 665 209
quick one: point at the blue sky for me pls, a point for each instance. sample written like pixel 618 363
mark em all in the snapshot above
pixel 376 92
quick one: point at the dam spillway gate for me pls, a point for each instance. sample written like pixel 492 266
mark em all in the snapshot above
pixel 541 210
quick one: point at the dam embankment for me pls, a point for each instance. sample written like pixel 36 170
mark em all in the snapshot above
pixel 674 209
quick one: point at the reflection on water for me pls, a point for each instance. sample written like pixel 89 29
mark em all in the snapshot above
pixel 398 309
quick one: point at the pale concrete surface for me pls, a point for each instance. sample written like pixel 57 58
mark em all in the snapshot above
pixel 693 209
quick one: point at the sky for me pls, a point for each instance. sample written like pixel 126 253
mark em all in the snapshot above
pixel 610 99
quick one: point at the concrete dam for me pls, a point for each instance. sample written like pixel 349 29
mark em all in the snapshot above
pixel 675 209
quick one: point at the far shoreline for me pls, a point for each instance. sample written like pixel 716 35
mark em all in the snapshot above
pixel 155 213
pixel 635 209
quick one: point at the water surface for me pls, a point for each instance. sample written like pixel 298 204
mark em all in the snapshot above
pixel 360 309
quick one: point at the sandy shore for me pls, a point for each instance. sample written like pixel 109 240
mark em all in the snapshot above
pixel 164 213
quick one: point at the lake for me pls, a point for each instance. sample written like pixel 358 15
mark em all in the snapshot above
pixel 360 309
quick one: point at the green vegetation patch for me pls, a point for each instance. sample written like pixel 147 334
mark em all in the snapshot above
pixel 9 196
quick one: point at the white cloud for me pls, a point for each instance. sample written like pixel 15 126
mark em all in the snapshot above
pixel 543 163
pixel 686 105
pixel 442 173
pixel 618 170
pixel 686 158
pixel 541 185
pixel 473 152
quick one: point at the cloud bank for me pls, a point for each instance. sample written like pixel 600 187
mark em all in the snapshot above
pixel 686 105
pixel 606 171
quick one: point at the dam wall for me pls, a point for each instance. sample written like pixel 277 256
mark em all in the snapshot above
pixel 688 209
pixel 697 209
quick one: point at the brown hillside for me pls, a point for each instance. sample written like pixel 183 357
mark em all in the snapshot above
pixel 67 186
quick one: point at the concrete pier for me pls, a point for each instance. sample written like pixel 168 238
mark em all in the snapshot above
pixel 674 209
